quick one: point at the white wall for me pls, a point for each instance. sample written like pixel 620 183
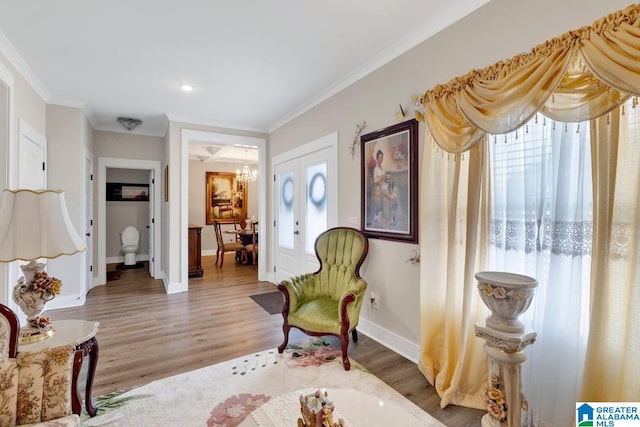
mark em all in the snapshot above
pixel 66 142
pixel 498 30
pixel 123 146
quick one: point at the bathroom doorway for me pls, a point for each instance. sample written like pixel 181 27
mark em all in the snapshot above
pixel 144 213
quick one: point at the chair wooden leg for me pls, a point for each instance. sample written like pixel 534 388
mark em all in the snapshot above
pixel 354 335
pixel 217 257
pixel 221 259
pixel 344 341
pixel 285 330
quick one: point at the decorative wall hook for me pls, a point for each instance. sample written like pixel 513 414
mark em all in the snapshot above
pixel 356 138
pixel 415 258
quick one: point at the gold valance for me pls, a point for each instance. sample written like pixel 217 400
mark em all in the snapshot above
pixel 577 76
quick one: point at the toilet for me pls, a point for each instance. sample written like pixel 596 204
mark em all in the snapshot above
pixel 129 238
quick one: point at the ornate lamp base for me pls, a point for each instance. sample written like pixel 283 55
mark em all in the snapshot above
pixel 31 333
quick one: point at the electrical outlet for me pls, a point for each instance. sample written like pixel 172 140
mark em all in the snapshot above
pixel 375 300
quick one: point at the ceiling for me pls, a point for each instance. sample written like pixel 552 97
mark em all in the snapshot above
pixel 253 64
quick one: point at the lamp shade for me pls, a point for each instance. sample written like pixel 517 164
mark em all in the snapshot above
pixel 35 224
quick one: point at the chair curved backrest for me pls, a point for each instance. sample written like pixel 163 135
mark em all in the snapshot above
pixel 223 246
pixel 253 246
pixel 9 331
pixel 341 251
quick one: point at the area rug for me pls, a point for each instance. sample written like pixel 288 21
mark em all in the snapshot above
pixel 272 302
pixel 235 392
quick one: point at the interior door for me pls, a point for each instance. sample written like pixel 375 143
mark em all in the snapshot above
pixel 32 155
pixel 89 220
pixel 151 226
pixel 306 207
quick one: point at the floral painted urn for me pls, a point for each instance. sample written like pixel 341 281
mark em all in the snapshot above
pixel 507 295
pixel 31 293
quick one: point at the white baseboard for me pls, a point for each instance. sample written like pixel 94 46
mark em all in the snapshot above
pixel 208 252
pixel 65 301
pixel 173 287
pixel 120 259
pixel 400 345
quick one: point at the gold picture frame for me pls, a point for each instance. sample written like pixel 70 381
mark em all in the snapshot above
pixel 226 198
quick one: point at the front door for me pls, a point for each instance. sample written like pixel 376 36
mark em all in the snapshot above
pixel 306 192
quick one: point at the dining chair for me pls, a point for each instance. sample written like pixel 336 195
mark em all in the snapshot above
pixel 238 226
pixel 252 248
pixel 224 247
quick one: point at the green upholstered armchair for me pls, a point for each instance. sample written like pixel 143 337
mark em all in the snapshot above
pixel 328 301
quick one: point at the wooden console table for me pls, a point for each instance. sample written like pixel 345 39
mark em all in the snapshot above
pixel 195 251
pixel 82 335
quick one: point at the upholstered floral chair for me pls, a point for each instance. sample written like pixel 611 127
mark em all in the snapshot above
pixel 328 302
pixel 35 387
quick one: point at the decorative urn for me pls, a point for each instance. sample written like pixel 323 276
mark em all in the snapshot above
pixel 31 293
pixel 507 295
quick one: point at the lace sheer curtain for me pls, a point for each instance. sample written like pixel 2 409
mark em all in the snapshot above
pixel 541 226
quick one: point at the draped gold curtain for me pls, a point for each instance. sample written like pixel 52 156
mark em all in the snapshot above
pixel 577 76
pixel 581 75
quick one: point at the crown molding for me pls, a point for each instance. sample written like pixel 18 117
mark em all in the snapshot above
pixel 405 44
pixel 16 60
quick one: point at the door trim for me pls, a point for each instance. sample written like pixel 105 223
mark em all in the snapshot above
pixel 188 135
pixel 103 164
pixel 10 177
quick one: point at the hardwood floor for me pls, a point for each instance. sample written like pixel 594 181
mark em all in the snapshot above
pixel 146 334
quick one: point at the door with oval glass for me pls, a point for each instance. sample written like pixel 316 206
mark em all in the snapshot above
pixel 306 194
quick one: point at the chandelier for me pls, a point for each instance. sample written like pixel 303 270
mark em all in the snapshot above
pixel 246 175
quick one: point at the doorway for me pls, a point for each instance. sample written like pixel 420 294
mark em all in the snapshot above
pixel 152 168
pixel 188 136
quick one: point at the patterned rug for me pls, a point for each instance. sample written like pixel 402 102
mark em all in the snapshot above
pixel 233 393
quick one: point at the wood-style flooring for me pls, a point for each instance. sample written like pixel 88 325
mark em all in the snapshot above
pixel 146 334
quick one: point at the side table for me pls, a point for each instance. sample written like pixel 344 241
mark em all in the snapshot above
pixel 82 335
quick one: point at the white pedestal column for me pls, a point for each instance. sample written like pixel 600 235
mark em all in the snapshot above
pixel 507 295
pixel 504 391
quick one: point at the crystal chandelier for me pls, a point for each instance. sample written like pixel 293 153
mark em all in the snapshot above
pixel 246 175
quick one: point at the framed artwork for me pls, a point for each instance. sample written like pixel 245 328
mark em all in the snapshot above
pixel 226 198
pixel 389 183
pixel 120 192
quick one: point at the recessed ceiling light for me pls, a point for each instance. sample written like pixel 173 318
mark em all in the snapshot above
pixel 186 87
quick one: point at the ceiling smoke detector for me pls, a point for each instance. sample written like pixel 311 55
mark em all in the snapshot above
pixel 129 123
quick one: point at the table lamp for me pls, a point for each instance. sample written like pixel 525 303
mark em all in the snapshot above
pixel 35 224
